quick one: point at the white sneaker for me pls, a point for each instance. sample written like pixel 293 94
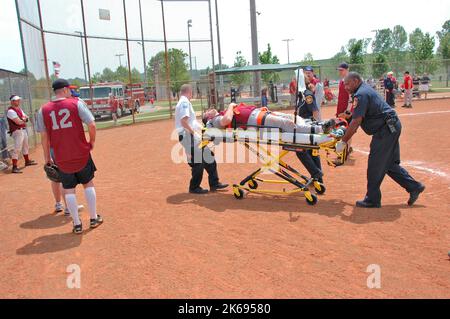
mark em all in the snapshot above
pixel 59 208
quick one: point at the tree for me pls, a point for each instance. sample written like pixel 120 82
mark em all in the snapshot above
pixel 444 46
pixel 357 49
pixel 399 38
pixel 240 79
pixel 341 56
pixel 398 53
pixel 421 47
pixel 308 59
pixel 268 58
pixel 383 42
pixel 380 66
pixel 179 73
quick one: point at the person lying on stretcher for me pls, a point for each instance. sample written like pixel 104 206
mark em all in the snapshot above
pixel 242 115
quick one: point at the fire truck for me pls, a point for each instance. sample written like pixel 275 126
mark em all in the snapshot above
pixel 129 97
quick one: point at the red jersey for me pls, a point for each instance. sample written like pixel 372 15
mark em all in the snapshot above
pixel 114 104
pixel 66 134
pixel 343 98
pixel 12 125
pixel 293 87
pixel 241 114
pixel 408 82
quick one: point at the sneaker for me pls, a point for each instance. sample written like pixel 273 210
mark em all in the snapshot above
pixel 77 229
pixel 30 163
pixel 96 222
pixel 59 208
pixel 15 170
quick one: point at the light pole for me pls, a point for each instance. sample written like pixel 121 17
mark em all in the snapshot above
pixel 145 63
pixel 82 53
pixel 255 52
pixel 288 50
pixel 120 58
pixel 143 46
pixel 189 26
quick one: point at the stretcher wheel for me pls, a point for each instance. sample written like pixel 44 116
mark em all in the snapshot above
pixel 320 188
pixel 252 184
pixel 311 199
pixel 238 193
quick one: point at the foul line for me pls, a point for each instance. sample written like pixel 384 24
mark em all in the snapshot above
pixel 424 113
pixel 416 165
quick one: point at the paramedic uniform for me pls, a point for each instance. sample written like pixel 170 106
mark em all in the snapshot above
pixel 381 121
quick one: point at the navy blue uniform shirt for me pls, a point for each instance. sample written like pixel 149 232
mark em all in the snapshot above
pixel 372 108
pixel 309 106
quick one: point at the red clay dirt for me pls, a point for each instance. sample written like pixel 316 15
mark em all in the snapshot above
pixel 160 242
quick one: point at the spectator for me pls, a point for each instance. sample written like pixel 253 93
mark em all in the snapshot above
pixel 264 99
pixel 425 85
pixel 344 96
pixel 408 86
pixel 326 83
pixel 389 86
pixel 17 122
pixel 315 86
pixel 3 141
pixel 293 92
pixel 416 83
pixel 114 105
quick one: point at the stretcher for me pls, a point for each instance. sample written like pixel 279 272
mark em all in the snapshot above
pixel 323 145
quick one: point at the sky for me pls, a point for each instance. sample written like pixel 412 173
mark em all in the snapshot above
pixel 320 28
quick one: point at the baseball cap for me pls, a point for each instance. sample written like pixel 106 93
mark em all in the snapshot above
pixel 309 68
pixel 343 66
pixel 15 98
pixel 61 84
pixel 74 93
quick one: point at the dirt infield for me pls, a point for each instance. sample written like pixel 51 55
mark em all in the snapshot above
pixel 160 242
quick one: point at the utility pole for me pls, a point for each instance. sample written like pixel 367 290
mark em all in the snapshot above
pixel 221 93
pixel 82 53
pixel 255 50
pixel 288 51
pixel 189 26
pixel 143 47
pixel 120 58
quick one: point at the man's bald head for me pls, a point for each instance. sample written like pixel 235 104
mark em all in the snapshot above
pixel 352 82
pixel 186 90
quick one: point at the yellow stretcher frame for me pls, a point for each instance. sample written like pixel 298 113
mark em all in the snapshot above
pixel 287 174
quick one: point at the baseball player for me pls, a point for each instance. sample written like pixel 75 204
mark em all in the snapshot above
pixel 17 121
pixel 60 123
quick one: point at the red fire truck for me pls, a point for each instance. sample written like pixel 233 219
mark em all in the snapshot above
pixel 130 97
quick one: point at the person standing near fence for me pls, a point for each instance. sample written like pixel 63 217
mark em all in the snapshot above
pixel 114 105
pixel 17 121
pixel 293 91
pixel 408 86
pixel 389 86
pixel 425 85
pixel 314 85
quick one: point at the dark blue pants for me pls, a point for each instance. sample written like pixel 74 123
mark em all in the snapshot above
pixel 384 159
pixel 199 160
pixel 312 164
